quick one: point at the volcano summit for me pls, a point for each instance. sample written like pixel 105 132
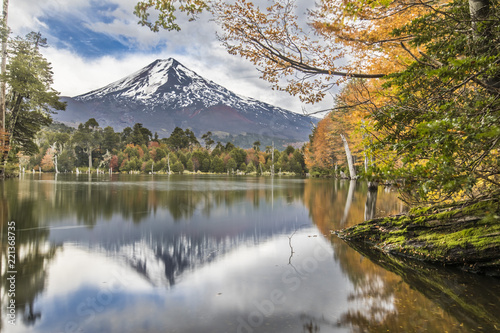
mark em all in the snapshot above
pixel 165 94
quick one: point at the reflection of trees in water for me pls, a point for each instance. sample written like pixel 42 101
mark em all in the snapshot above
pixel 31 257
pixel 95 199
pixel 370 205
pixel 334 205
pixel 397 298
pixel 313 324
pixel 350 195
pixel 381 300
pixel 468 302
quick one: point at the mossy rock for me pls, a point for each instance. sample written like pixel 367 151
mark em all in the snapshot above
pixel 466 235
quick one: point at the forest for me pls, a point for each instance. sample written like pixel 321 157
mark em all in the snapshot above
pixel 90 148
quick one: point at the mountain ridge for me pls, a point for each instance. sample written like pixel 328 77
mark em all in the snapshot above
pixel 165 94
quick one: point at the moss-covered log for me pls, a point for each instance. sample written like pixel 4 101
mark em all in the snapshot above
pixel 466 235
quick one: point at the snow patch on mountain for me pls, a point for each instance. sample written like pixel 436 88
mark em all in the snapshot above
pixel 169 82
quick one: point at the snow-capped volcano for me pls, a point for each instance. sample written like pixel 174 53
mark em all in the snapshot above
pixel 155 80
pixel 166 94
pixel 168 81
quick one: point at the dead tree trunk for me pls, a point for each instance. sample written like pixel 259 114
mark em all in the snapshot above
pixel 350 162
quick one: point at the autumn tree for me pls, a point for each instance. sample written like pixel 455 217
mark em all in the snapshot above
pixel 47 163
pixel 334 142
pixel 444 121
pixel 165 12
pixel 321 152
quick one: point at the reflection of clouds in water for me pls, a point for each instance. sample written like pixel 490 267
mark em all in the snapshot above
pixel 107 293
pixel 373 298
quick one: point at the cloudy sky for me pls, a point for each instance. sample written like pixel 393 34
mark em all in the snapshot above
pixel 95 42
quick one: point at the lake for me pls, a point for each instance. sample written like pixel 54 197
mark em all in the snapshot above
pixel 158 253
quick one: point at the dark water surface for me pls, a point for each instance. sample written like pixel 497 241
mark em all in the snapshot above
pixel 217 254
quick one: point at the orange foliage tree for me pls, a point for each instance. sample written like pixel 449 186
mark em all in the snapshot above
pixel 47 163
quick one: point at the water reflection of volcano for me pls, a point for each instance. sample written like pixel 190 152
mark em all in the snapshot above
pixel 163 251
pixel 162 248
pixel 163 262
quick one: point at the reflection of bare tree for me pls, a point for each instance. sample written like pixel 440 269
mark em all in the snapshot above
pixel 371 203
pixel 310 327
pixel 330 203
pixel 350 195
pixel 312 324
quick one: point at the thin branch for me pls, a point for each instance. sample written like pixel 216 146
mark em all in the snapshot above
pixel 415 57
pixel 477 162
pixel 291 248
pixel 275 55
pixel 335 108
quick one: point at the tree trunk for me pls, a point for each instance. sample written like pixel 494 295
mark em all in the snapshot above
pixel 168 163
pixel 88 151
pixel 55 163
pixel 366 161
pixel 14 114
pixel 54 147
pixel 4 59
pixel 350 163
pixel 272 160
pixel 479 11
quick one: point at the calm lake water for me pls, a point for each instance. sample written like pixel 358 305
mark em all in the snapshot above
pixel 158 253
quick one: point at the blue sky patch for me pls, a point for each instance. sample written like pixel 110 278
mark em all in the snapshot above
pixel 72 32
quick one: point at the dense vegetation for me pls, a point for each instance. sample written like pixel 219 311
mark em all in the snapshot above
pixel 136 149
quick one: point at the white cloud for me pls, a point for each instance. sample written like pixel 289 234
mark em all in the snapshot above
pixel 195 46
pixel 24 14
